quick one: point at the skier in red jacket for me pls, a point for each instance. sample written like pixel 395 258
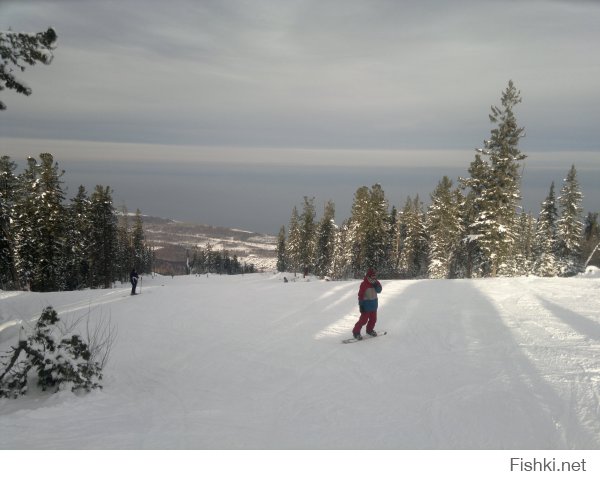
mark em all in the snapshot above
pixel 367 303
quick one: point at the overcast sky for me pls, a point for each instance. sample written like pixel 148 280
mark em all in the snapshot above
pixel 301 89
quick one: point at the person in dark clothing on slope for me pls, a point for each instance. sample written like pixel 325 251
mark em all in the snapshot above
pixel 367 303
pixel 133 278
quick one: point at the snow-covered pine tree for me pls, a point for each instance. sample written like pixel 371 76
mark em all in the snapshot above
pixel 355 237
pixel 444 229
pixel 376 232
pixel 103 237
pixel 52 232
pixel 390 267
pixel 8 200
pixel 77 246
pixel 498 185
pixel 413 239
pixel 124 258
pixel 132 251
pixel 292 249
pixel 524 244
pixel 210 258
pixel 59 358
pixel 198 262
pixel 570 227
pixel 471 258
pixel 369 229
pixel 23 227
pixel 325 240
pixel 546 238
pixel 307 234
pixel 281 257
pixel 341 265
pixel 142 254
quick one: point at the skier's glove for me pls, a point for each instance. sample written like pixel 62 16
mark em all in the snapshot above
pixel 361 307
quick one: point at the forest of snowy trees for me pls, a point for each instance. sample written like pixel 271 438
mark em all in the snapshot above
pixel 47 244
pixel 472 228
pixel 210 260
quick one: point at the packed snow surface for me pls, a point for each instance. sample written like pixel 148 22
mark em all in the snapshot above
pixel 251 362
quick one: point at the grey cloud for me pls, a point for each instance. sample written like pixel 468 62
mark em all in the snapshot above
pixel 352 73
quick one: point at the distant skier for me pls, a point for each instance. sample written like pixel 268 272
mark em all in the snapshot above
pixel 367 303
pixel 133 278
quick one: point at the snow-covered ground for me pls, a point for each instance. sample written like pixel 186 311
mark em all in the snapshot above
pixel 251 362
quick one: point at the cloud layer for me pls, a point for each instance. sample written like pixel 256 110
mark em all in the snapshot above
pixel 303 73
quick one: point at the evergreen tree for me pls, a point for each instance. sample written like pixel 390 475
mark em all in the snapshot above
pixel 103 237
pixel 8 201
pixel 142 254
pixel 474 206
pixel 377 231
pixel 525 244
pixel 444 229
pixel 138 240
pixel 307 234
pixel 77 246
pixel 21 49
pixel 51 209
pixel 413 240
pixel 325 241
pixel 341 265
pixel 210 259
pixel 281 257
pixel 369 230
pixel 390 267
pixel 294 240
pixel 497 183
pixel 355 238
pixel 24 225
pixel 570 227
pixel 124 258
pixel 546 238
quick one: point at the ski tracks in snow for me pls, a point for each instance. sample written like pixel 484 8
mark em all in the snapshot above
pixel 562 342
pixel 14 313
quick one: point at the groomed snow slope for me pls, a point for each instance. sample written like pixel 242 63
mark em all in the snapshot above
pixel 255 363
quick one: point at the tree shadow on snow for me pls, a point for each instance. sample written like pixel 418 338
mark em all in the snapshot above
pixel 576 321
pixel 463 381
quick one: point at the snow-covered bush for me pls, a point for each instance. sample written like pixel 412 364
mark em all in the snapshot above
pixel 60 359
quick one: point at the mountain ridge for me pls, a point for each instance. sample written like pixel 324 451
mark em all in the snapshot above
pixel 173 242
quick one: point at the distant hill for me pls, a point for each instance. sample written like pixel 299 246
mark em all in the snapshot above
pixel 173 241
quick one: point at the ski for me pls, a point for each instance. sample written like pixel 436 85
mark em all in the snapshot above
pixel 365 337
